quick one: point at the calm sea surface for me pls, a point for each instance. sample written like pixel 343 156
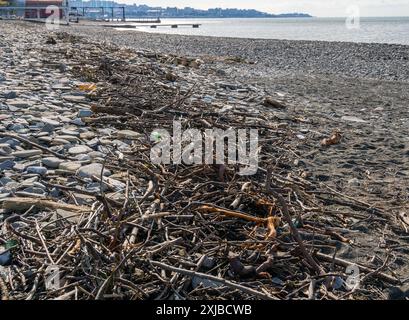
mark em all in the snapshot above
pixel 381 30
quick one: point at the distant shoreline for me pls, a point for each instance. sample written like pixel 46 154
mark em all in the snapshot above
pixel 216 17
pixel 377 61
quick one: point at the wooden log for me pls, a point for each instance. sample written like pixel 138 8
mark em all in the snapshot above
pixel 20 205
pixel 270 102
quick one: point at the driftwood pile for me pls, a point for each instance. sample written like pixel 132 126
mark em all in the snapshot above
pixel 183 231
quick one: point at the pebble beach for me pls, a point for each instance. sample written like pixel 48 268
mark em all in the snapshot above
pixel 348 197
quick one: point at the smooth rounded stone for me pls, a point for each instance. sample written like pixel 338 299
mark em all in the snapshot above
pixel 105 131
pixel 71 139
pixel 79 150
pixel 84 113
pixel 129 134
pixel 19 103
pixel 68 132
pixel 5 180
pixel 37 170
pixel 301 137
pixel 11 142
pixel 60 172
pixel 29 181
pixel 6 257
pixel 55 193
pixel 93 143
pixel 60 142
pixel 87 135
pixel 52 162
pixel 93 169
pixel 83 158
pixel 10 95
pixel 103 149
pixel 72 98
pixel 78 122
pixel 354 182
pixel 61 87
pixel 5 150
pixel 16 127
pixel 5 158
pixel 4 195
pixel 35 190
pixel 25 194
pixel 64 119
pixel 7 165
pixel 353 119
pixel 46 139
pixel 118 185
pixel 96 154
pixel 96 187
pixel 70 166
pixel 27 153
pixel 47 128
pixel 11 186
pixel 51 122
pixel 39 185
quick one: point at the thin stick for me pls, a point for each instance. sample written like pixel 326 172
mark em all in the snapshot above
pixel 345 263
pixel 35 145
pixel 224 282
pixel 284 208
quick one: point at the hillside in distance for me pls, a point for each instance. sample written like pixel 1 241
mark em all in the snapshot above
pixel 135 10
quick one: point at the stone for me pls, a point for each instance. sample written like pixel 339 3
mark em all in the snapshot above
pixel 18 103
pixel 52 162
pixel 61 87
pixel 83 158
pixel 93 143
pixel 10 95
pixel 96 187
pixel 69 138
pixel 5 150
pixel 87 135
pixel 60 142
pixel 353 119
pixel 5 158
pixel 79 150
pixel 118 185
pixel 47 128
pixel 11 142
pixel 7 165
pixel 129 134
pixel 72 98
pixel 78 122
pixel 67 132
pixel 96 154
pixel 70 166
pixel 35 190
pixel 37 170
pixel 5 257
pixel 354 182
pixel 51 122
pixel 5 180
pixel 84 113
pixel 27 153
pixel 93 169
pixel 25 194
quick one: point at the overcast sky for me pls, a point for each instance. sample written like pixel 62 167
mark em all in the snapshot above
pixel 322 8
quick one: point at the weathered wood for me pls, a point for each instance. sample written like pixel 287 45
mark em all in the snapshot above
pixel 20 205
